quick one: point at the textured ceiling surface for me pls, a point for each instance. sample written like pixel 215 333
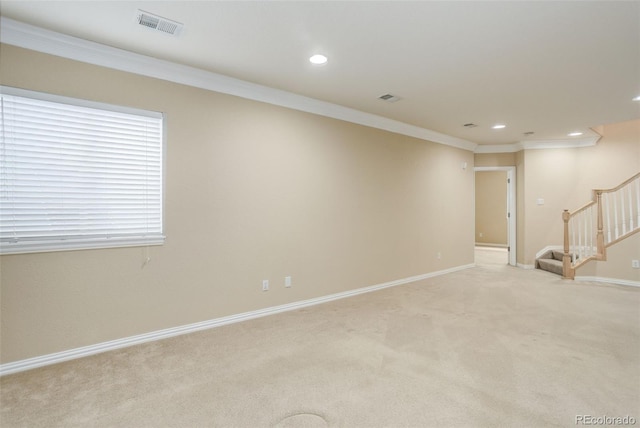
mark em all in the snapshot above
pixel 546 68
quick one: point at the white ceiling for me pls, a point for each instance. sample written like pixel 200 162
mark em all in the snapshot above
pixel 544 67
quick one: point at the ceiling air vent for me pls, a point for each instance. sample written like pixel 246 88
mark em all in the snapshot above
pixel 389 98
pixel 158 23
pixel 469 125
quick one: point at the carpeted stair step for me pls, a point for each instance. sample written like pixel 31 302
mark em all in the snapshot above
pixel 551 261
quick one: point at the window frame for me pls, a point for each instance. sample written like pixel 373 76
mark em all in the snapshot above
pixel 68 243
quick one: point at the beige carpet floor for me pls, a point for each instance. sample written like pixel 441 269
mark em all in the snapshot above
pixel 492 346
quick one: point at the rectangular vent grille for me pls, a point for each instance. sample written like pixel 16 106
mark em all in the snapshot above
pixel 389 98
pixel 158 23
pixel 470 125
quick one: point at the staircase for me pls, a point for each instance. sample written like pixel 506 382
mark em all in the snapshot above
pixel 551 261
pixel 611 216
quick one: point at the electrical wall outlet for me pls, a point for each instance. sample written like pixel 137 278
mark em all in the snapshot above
pixel 265 285
pixel 439 255
pixel 287 281
pixel 635 264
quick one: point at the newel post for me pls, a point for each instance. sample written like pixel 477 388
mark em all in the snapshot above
pixel 601 255
pixel 567 270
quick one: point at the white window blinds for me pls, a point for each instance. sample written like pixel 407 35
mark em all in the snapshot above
pixel 77 175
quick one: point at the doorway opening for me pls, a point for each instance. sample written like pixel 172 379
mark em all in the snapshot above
pixel 504 191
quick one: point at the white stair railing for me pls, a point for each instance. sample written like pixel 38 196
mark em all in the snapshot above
pixel 611 216
pixel 583 232
pixel 621 211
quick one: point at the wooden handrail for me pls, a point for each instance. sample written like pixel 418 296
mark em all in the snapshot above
pixel 568 265
pixel 597 194
pixel 619 186
pixel 582 208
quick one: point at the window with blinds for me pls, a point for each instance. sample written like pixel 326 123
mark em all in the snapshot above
pixel 76 174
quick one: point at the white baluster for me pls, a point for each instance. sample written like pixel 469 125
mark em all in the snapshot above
pixel 587 232
pixel 587 251
pixel 594 229
pixel 605 204
pixel 623 212
pixel 572 247
pixel 592 212
pixel 638 201
pixel 580 255
pixel 630 195
pixel 615 217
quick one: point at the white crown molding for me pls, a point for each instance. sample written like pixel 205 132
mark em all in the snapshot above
pixel 572 143
pixel 561 144
pixel 498 148
pixel 85 351
pixel 46 41
pixel 38 39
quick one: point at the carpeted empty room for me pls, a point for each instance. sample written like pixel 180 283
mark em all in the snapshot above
pixel 313 214
pixel 488 346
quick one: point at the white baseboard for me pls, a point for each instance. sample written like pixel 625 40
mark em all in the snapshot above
pixel 491 247
pixel 608 280
pixel 85 351
pixel 523 266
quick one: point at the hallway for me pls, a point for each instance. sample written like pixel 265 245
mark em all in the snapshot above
pixel 491 256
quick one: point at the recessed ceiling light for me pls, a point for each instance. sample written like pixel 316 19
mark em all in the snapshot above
pixel 499 126
pixel 318 59
pixel 575 134
pixel 636 98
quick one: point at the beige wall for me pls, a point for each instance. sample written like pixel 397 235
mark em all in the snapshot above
pixel 618 264
pixel 520 211
pixel 564 178
pixel 491 207
pixel 253 192
pixel 495 159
